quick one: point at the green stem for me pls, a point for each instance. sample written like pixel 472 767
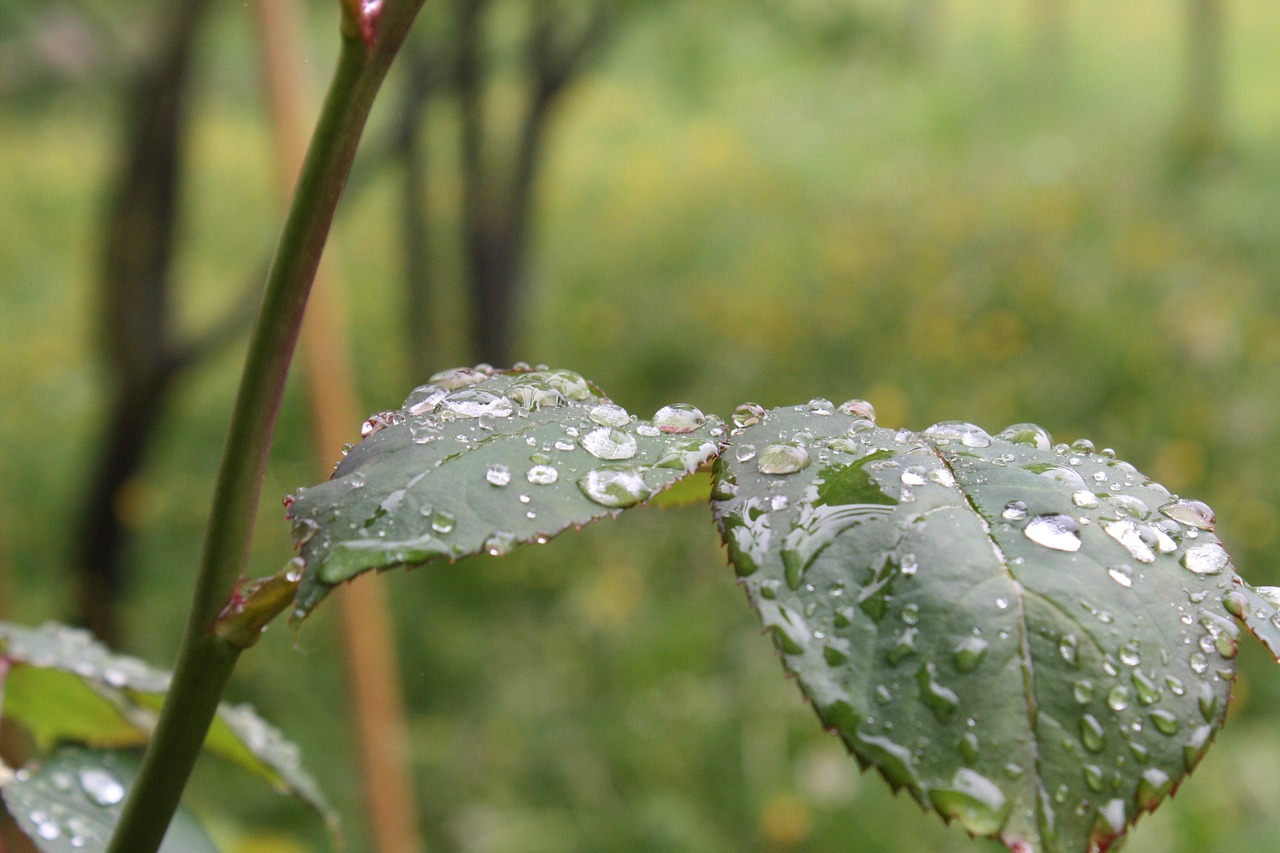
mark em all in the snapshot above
pixel 206 660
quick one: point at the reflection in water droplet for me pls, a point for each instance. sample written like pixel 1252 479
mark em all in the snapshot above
pixel 1128 535
pixel 1058 532
pixel 858 409
pixel 748 414
pixel 424 399
pixel 609 443
pixel 678 418
pixel 782 459
pixel 615 486
pixel 1206 559
pixel 966 434
pixel 473 403
pixel 1195 514
pixel 542 475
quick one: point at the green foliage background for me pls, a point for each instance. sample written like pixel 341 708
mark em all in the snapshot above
pixel 734 209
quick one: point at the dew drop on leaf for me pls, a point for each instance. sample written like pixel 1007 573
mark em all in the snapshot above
pixel 614 486
pixel 1195 514
pixel 782 459
pixel 609 443
pixel 542 475
pixel 678 418
pixel 1058 532
pixel 1029 435
pixel 101 786
pixel 1206 559
pixel 498 474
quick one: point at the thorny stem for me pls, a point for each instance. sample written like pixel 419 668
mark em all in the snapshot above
pixel 206 660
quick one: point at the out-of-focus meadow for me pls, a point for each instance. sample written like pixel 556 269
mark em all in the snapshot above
pixel 982 216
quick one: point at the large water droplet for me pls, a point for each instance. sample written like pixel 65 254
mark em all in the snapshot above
pixel 972 799
pixel 968 653
pixel 498 474
pixel 609 443
pixel 473 403
pixel 1029 435
pixel 1205 559
pixel 1014 511
pixel 1153 786
pixel 678 418
pixel 1195 514
pixel 101 786
pixel 1166 721
pixel 782 459
pixel 1059 532
pixel 424 399
pixel 748 414
pixel 442 521
pixel 966 434
pixel 1128 535
pixel 1122 574
pixel 942 700
pixel 614 486
pixel 858 409
pixel 608 414
pixel 458 377
pixel 379 422
pixel 1091 733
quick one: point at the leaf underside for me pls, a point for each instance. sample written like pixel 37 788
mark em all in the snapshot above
pixel 63 685
pixel 71 803
pixel 479 461
pixel 1035 642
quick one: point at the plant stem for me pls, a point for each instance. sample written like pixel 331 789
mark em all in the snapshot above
pixel 205 661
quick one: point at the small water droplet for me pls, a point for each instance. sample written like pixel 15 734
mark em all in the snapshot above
pixel 1166 721
pixel 609 414
pixel 542 475
pixel 1082 691
pixel 968 653
pixel 1118 697
pixel 782 459
pixel 1084 499
pixel 293 570
pixel 1014 511
pixel 1068 649
pixel 1128 535
pixel 499 542
pixel 442 522
pixel 1028 435
pixel 1199 663
pixel 913 475
pixel 744 452
pixel 101 786
pixel 498 474
pixel 858 409
pixel 1091 733
pixel 1058 532
pixel 942 700
pixel 473 402
pixel 966 434
pixel 1122 574
pixel 1129 655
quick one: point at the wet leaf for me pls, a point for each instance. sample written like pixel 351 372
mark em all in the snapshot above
pixel 71 803
pixel 63 685
pixel 479 462
pixel 1036 642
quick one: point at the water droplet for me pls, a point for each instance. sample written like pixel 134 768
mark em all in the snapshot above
pixel 542 475
pixel 608 414
pixel 1130 506
pixel 1122 574
pixel 1128 535
pixel 1084 499
pixel 1058 532
pixel 1206 559
pixel 942 700
pixel 1129 655
pixel 1068 649
pixel 101 786
pixel 1014 511
pixel 678 418
pixel 1093 778
pixel 966 434
pixel 48 830
pixel 748 414
pixel 424 399
pixel 858 409
pixel 292 573
pixel 969 747
pixel 1082 691
pixel 614 486
pixel 904 648
pixel 821 406
pixel 973 800
pixel 442 522
pixel 1028 435
pixel 499 542
pixel 969 653
pixel 1148 691
pixel 1153 786
pixel 782 459
pixel 609 443
pixel 423 432
pixel 1166 721
pixel 744 452
pixel 1199 663
pixel 1091 733
pixel 1118 698
pixel 1195 514
pixel 473 403
pixel 378 422
pixel 458 377
pixel 498 474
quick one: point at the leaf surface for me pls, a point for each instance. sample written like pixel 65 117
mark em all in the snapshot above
pixel 71 803
pixel 1034 641
pixel 479 462
pixel 63 685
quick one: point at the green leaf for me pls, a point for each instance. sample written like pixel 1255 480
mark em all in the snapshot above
pixel 481 461
pixel 1034 641
pixel 63 685
pixel 71 802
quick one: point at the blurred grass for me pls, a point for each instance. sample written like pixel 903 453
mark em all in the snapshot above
pixel 727 216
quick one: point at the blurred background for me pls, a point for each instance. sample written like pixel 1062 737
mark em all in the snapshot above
pixel 1059 211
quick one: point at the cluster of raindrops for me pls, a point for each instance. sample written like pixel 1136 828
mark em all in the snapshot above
pixel 71 805
pixel 74 650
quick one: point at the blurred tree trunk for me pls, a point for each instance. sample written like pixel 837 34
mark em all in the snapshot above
pixel 409 147
pixel 135 323
pixel 497 191
pixel 1202 136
